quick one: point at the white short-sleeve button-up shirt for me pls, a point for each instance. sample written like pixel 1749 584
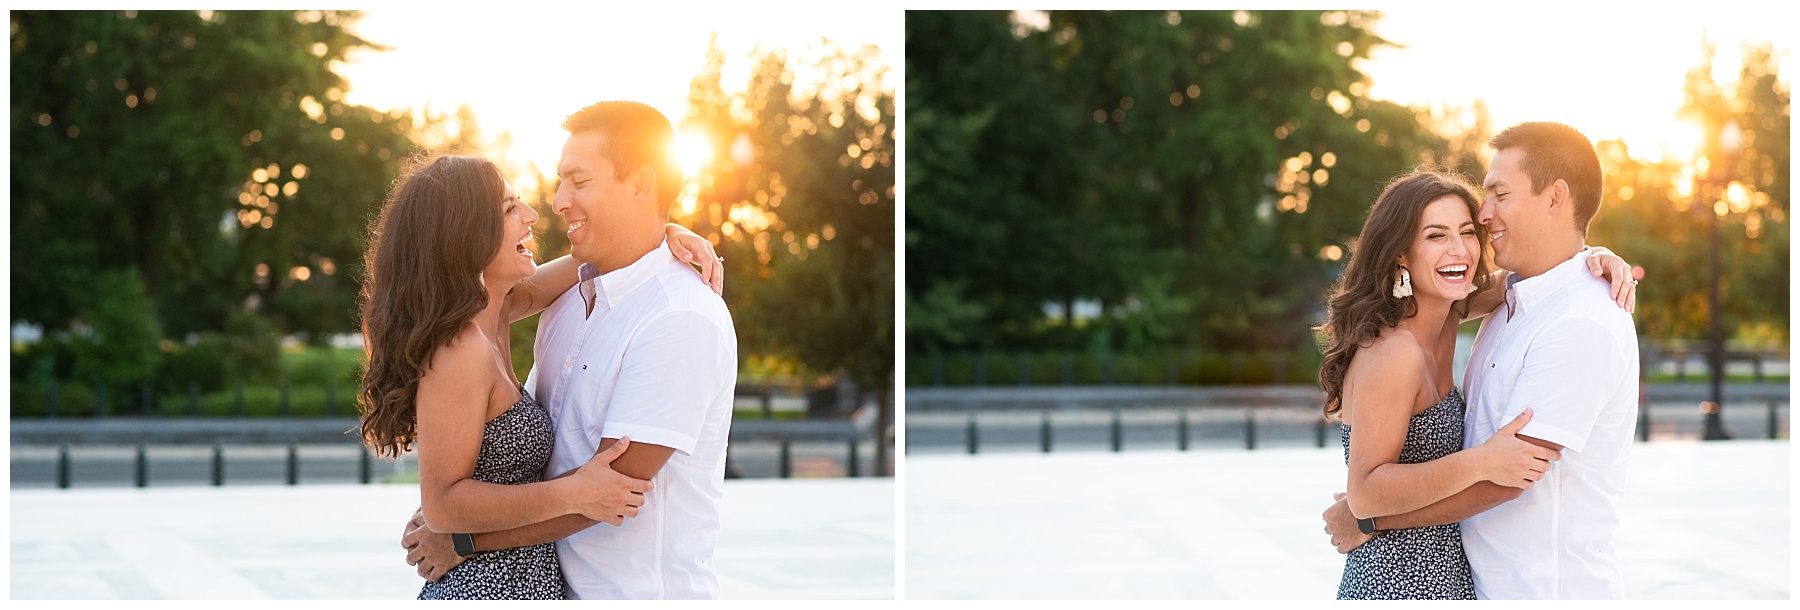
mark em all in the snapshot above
pixel 656 361
pixel 1563 348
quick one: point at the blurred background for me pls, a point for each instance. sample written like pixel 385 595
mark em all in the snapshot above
pixel 1152 202
pixel 191 193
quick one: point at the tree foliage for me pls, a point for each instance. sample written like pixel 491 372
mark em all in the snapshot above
pixel 1195 174
pixel 800 195
pixel 1655 209
pixel 196 164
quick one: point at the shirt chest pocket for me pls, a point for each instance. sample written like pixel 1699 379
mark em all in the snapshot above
pixel 1500 375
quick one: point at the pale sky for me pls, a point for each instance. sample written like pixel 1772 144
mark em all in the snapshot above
pixel 524 70
pixel 1612 72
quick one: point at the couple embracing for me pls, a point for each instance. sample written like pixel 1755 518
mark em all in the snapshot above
pixel 601 475
pixel 1510 490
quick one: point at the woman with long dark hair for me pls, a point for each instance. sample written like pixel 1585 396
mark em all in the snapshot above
pixel 1419 268
pixel 448 271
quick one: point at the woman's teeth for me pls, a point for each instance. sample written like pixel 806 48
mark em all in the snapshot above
pixel 1453 272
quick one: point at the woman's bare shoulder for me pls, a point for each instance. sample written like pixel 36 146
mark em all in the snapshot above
pixel 468 358
pixel 1393 358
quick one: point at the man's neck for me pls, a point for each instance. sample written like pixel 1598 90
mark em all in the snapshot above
pixel 629 250
pixel 1551 252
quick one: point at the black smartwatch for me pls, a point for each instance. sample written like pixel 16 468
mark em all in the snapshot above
pixel 463 543
pixel 1366 526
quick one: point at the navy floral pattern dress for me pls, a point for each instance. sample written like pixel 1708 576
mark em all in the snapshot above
pixel 515 448
pixel 1421 562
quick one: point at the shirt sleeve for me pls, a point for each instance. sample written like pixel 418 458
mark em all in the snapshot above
pixel 671 373
pixel 1571 370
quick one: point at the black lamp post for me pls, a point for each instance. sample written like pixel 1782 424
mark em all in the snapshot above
pixel 1718 172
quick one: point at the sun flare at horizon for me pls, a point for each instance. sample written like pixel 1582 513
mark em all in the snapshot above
pixel 520 86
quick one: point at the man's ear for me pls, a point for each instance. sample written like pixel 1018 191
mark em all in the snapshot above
pixel 644 182
pixel 1560 202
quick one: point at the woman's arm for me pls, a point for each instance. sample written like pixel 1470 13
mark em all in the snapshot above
pixel 537 292
pixel 1603 263
pixel 1485 300
pixel 1380 413
pixel 452 406
pixel 689 247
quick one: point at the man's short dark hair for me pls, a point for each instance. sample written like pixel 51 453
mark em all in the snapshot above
pixel 636 135
pixel 1555 151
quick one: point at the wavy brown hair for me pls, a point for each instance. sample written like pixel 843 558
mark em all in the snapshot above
pixel 1362 303
pixel 438 230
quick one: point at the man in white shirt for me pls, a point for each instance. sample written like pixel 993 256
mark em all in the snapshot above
pixel 640 348
pixel 1562 347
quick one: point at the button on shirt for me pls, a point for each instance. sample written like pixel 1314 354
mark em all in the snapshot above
pixel 656 361
pixel 1567 351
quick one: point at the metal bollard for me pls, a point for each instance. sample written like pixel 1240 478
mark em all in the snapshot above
pixel 1644 423
pixel 62 466
pixel 786 459
pixel 142 471
pixel 850 467
pixel 1250 429
pixel 1181 430
pixel 366 467
pixel 973 436
pixel 1319 432
pixel 1118 431
pixel 768 405
pixel 1044 432
pixel 1772 431
pixel 293 464
pixel 218 464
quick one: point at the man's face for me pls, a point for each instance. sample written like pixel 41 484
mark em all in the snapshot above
pixel 592 199
pixel 1515 217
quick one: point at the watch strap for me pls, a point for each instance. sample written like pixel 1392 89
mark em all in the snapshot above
pixel 463 543
pixel 1366 526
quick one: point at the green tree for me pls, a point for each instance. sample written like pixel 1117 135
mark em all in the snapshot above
pixel 1196 174
pixel 1655 212
pixel 149 119
pixel 209 154
pixel 801 199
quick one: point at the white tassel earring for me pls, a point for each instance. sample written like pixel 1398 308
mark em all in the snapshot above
pixel 1403 284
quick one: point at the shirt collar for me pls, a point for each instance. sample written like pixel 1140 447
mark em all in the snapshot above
pixel 620 282
pixel 1524 293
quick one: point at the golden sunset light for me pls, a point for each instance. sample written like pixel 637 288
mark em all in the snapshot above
pixel 1608 72
pixel 523 71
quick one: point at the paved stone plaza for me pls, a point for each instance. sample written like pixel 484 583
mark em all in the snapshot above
pixel 1701 521
pixel 792 539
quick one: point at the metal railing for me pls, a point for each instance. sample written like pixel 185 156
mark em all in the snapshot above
pixel 1048 429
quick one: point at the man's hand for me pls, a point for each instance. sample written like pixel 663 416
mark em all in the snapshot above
pixel 1341 525
pixel 432 553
